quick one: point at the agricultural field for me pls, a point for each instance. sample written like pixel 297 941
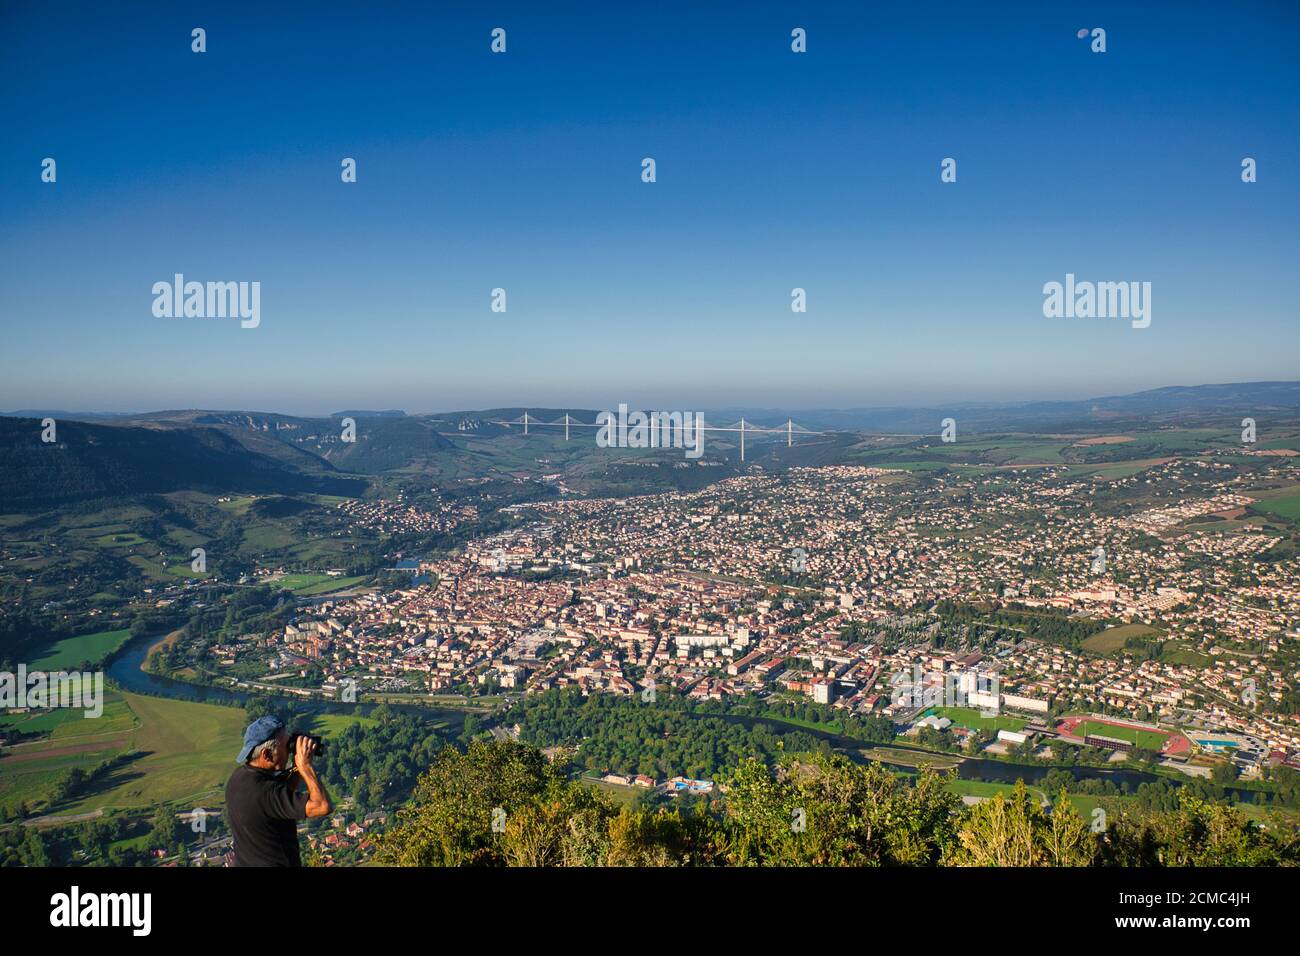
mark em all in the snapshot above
pixel 1180 655
pixel 29 769
pixel 312 584
pixel 1103 456
pixel 62 724
pixel 1117 471
pixel 331 725
pixel 1285 504
pixel 184 752
pixel 110 555
pixel 71 652
pixel 1112 640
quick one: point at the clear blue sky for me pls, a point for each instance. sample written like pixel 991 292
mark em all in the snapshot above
pixel 522 170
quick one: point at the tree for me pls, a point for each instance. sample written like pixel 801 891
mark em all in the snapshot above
pixel 166 831
pixel 456 802
pixel 1223 773
pixel 1198 833
pixel 1016 830
pixel 501 803
pixel 470 728
pixel 829 811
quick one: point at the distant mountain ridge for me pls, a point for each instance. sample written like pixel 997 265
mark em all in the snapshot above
pixel 91 461
pixel 268 452
pixel 1177 402
pixel 1167 401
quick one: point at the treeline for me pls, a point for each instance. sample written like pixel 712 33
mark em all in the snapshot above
pixel 1155 795
pixel 869 728
pixel 247 610
pixel 503 804
pixel 115 839
pixel 258 610
pixel 77 781
pixel 376 761
pixel 660 739
pixel 674 735
pixel 23 636
pixel 1015 622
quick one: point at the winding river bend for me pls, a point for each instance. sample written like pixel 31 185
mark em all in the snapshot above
pixel 126 670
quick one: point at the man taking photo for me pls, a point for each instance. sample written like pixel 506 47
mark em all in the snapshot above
pixel 263 804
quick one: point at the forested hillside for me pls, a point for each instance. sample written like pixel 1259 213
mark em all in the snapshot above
pixel 89 461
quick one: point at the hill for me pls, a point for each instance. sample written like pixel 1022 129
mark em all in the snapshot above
pixel 93 461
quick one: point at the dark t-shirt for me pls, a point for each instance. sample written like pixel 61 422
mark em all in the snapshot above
pixel 263 811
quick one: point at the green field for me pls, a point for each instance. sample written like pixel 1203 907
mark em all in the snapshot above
pixel 1285 506
pixel 120 540
pixel 333 584
pixel 971 719
pixel 331 725
pixel 1181 655
pixel 1112 640
pixel 296 582
pixel 30 769
pixel 1117 471
pixel 309 584
pixel 62 724
pixel 984 788
pixel 184 753
pixel 1145 739
pixel 71 651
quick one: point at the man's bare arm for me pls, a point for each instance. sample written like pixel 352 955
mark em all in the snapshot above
pixel 318 801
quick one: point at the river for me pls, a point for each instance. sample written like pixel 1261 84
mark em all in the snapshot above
pixel 125 670
pixel 982 768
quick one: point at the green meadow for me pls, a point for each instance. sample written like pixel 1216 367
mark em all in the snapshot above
pixel 1285 505
pixel 984 788
pixel 71 652
pixel 1112 639
pixel 184 752
pixel 972 719
pixel 312 584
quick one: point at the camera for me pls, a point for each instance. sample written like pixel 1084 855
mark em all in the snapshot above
pixel 317 744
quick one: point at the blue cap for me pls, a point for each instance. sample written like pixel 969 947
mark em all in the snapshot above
pixel 259 732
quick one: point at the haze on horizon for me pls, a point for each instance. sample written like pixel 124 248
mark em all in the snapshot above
pixel 522 171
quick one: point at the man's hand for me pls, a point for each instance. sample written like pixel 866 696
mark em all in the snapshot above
pixel 302 752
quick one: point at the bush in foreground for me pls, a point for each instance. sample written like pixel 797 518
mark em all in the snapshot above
pixel 503 804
